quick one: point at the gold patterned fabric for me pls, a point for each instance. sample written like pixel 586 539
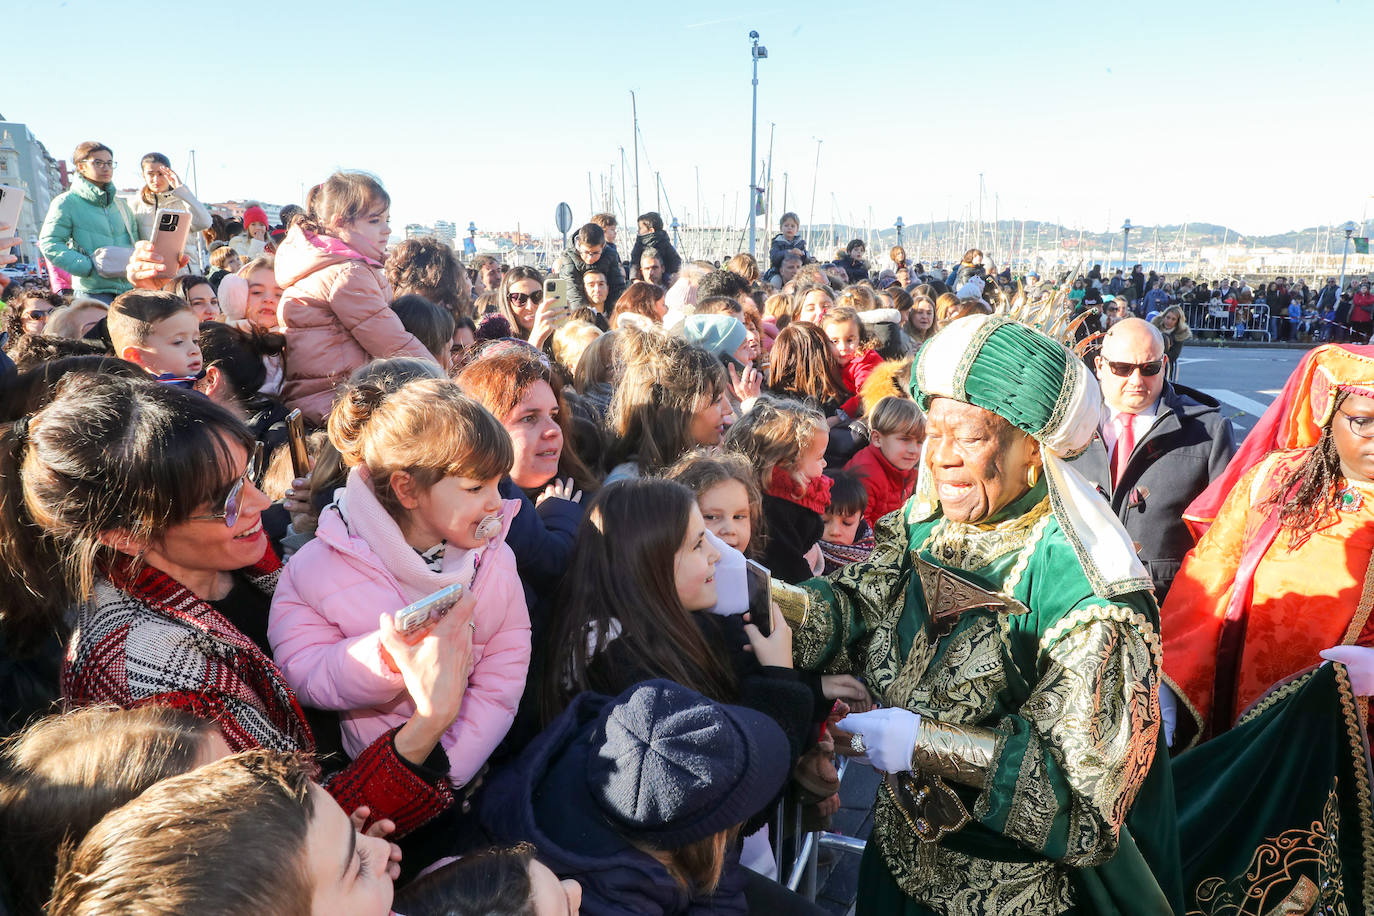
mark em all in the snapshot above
pixel 1037 699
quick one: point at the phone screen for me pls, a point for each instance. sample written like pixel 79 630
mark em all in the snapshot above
pixel 760 597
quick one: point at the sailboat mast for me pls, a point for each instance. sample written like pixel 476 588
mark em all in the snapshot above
pixel 634 109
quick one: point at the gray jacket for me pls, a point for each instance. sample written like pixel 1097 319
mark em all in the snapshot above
pixel 1189 444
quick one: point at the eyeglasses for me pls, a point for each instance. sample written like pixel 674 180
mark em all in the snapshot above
pixel 521 298
pixel 1125 370
pixel 1360 426
pixel 101 163
pixel 234 501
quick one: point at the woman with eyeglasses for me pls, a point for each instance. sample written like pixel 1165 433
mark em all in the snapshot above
pixel 520 300
pixel 84 221
pixel 130 519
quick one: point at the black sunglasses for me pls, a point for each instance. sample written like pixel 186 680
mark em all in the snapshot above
pixel 1146 369
pixel 521 298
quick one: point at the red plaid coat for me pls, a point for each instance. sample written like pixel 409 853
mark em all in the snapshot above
pixel 145 639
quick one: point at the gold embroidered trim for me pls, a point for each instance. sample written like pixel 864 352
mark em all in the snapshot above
pixel 1362 610
pixel 970 356
pixel 1114 612
pixel 1276 694
pixel 1018 569
pixel 1359 749
pixel 1192 710
pixel 973 546
pixel 1101 586
pixel 1068 388
pixel 1251 893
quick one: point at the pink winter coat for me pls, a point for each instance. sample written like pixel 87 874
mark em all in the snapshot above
pixel 336 309
pixel 323 627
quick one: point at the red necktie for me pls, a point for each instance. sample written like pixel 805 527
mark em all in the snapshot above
pixel 1125 444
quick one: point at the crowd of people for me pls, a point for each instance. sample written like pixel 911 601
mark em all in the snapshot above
pixel 340 576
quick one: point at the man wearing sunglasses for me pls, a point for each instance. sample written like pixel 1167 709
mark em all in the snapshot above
pixel 1159 445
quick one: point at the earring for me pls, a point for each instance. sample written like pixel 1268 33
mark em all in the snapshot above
pixel 1032 476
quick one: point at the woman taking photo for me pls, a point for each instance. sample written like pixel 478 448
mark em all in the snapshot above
pixel 163 190
pixel 167 579
pixel 520 300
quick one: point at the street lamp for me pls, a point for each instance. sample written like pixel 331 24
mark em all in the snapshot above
pixel 674 226
pixel 899 226
pixel 758 52
pixel 1126 228
pixel 1349 230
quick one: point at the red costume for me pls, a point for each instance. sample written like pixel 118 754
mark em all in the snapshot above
pixel 1255 604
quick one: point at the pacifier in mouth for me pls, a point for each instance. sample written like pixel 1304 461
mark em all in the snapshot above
pixel 489 527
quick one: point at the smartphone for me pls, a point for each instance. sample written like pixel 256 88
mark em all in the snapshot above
pixel 169 238
pixel 300 455
pixel 11 205
pixel 414 617
pixel 558 286
pixel 760 596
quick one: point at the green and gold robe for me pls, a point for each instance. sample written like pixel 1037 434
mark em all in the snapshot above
pixel 1039 783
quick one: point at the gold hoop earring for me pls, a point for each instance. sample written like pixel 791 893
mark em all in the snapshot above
pixel 1032 476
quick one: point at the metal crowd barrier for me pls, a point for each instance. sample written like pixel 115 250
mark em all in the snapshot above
pixel 800 874
pixel 1221 322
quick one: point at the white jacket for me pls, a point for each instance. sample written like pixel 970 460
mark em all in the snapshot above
pixel 179 199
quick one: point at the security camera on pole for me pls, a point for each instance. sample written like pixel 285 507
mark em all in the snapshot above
pixel 758 52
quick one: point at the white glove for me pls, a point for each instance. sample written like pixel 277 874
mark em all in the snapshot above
pixel 889 737
pixel 1359 663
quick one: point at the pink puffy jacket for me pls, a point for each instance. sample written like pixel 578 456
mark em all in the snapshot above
pixel 336 309
pixel 323 629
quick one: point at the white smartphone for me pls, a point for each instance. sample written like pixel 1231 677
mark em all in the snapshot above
pixel 415 616
pixel 169 238
pixel 11 205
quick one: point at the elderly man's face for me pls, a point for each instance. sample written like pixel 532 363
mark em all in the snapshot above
pixel 977 460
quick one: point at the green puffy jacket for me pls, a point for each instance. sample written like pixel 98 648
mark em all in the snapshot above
pixel 81 220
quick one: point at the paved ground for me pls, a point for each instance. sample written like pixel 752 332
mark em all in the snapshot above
pixel 1246 380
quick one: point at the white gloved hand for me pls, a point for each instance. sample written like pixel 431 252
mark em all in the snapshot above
pixel 889 737
pixel 1359 662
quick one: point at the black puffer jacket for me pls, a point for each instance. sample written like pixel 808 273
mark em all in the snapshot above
pixel 571 267
pixel 659 242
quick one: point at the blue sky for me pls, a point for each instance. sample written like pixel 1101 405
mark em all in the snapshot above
pixel 1251 114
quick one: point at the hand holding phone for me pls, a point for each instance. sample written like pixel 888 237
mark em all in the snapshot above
pixel 416 616
pixel 300 454
pixel 760 599
pixel 169 239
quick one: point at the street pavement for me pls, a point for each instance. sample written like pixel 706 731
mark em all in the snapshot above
pixel 1244 379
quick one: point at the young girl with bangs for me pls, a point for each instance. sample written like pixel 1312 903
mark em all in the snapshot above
pixel 420 512
pixel 785 442
pixel 336 302
pixel 855 350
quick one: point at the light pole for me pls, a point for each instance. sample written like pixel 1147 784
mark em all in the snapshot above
pixel 676 246
pixel 899 226
pixel 1126 228
pixel 757 52
pixel 1349 230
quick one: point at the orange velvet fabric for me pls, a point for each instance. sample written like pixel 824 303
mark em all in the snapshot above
pixel 1304 598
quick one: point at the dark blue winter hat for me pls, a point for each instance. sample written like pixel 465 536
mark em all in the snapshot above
pixel 669 767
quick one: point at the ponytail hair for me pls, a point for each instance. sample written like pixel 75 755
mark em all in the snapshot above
pixel 239 355
pixel 109 454
pixel 428 429
pixel 342 198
